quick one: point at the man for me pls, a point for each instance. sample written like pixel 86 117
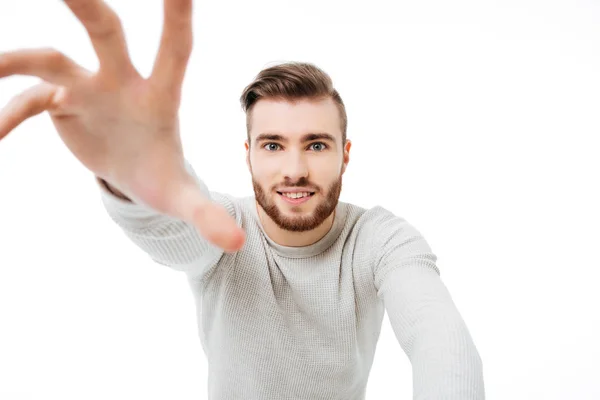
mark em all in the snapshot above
pixel 290 284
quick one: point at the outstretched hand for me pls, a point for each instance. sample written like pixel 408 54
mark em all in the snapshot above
pixel 122 127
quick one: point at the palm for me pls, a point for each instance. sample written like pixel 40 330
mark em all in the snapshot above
pixel 98 125
pixel 120 126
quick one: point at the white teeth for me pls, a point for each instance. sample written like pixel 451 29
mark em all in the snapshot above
pixel 296 195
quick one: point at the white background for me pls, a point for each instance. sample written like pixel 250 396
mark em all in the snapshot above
pixel 477 121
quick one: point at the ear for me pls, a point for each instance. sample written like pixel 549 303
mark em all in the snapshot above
pixel 247 146
pixel 347 147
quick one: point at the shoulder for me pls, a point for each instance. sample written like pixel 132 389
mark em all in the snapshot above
pixel 378 227
pixel 379 223
pixel 392 241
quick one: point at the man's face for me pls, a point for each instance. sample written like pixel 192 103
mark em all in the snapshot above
pixel 297 178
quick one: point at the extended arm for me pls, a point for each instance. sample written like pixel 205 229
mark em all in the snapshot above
pixel 445 362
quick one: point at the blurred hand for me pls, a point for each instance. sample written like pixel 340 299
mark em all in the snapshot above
pixel 122 127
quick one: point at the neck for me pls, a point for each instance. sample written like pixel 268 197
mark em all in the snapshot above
pixel 289 238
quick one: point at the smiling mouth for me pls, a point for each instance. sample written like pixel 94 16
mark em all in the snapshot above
pixel 298 195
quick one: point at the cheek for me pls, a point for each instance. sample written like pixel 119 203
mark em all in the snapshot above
pixel 266 169
pixel 325 174
pixel 265 176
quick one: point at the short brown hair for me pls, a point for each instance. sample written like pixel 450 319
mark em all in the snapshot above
pixel 292 81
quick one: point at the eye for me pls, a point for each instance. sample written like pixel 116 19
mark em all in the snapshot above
pixel 320 146
pixel 271 146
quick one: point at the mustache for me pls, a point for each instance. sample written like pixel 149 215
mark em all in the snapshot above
pixel 302 182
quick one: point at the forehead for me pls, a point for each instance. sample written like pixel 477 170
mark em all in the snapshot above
pixel 293 119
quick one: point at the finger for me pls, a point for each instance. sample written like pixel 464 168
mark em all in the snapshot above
pixel 218 227
pixel 106 33
pixel 48 64
pixel 212 220
pixel 26 105
pixel 175 46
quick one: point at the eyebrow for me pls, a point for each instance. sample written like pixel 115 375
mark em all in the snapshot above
pixel 309 137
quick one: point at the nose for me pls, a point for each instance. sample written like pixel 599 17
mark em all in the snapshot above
pixel 295 167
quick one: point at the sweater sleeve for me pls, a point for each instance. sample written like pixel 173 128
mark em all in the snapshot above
pixel 167 240
pixel 427 324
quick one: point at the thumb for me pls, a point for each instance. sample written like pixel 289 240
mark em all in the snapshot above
pixel 211 219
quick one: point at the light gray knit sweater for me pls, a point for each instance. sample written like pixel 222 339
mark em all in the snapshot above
pixel 283 323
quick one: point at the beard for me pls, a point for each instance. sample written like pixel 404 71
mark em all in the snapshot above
pixel 301 223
